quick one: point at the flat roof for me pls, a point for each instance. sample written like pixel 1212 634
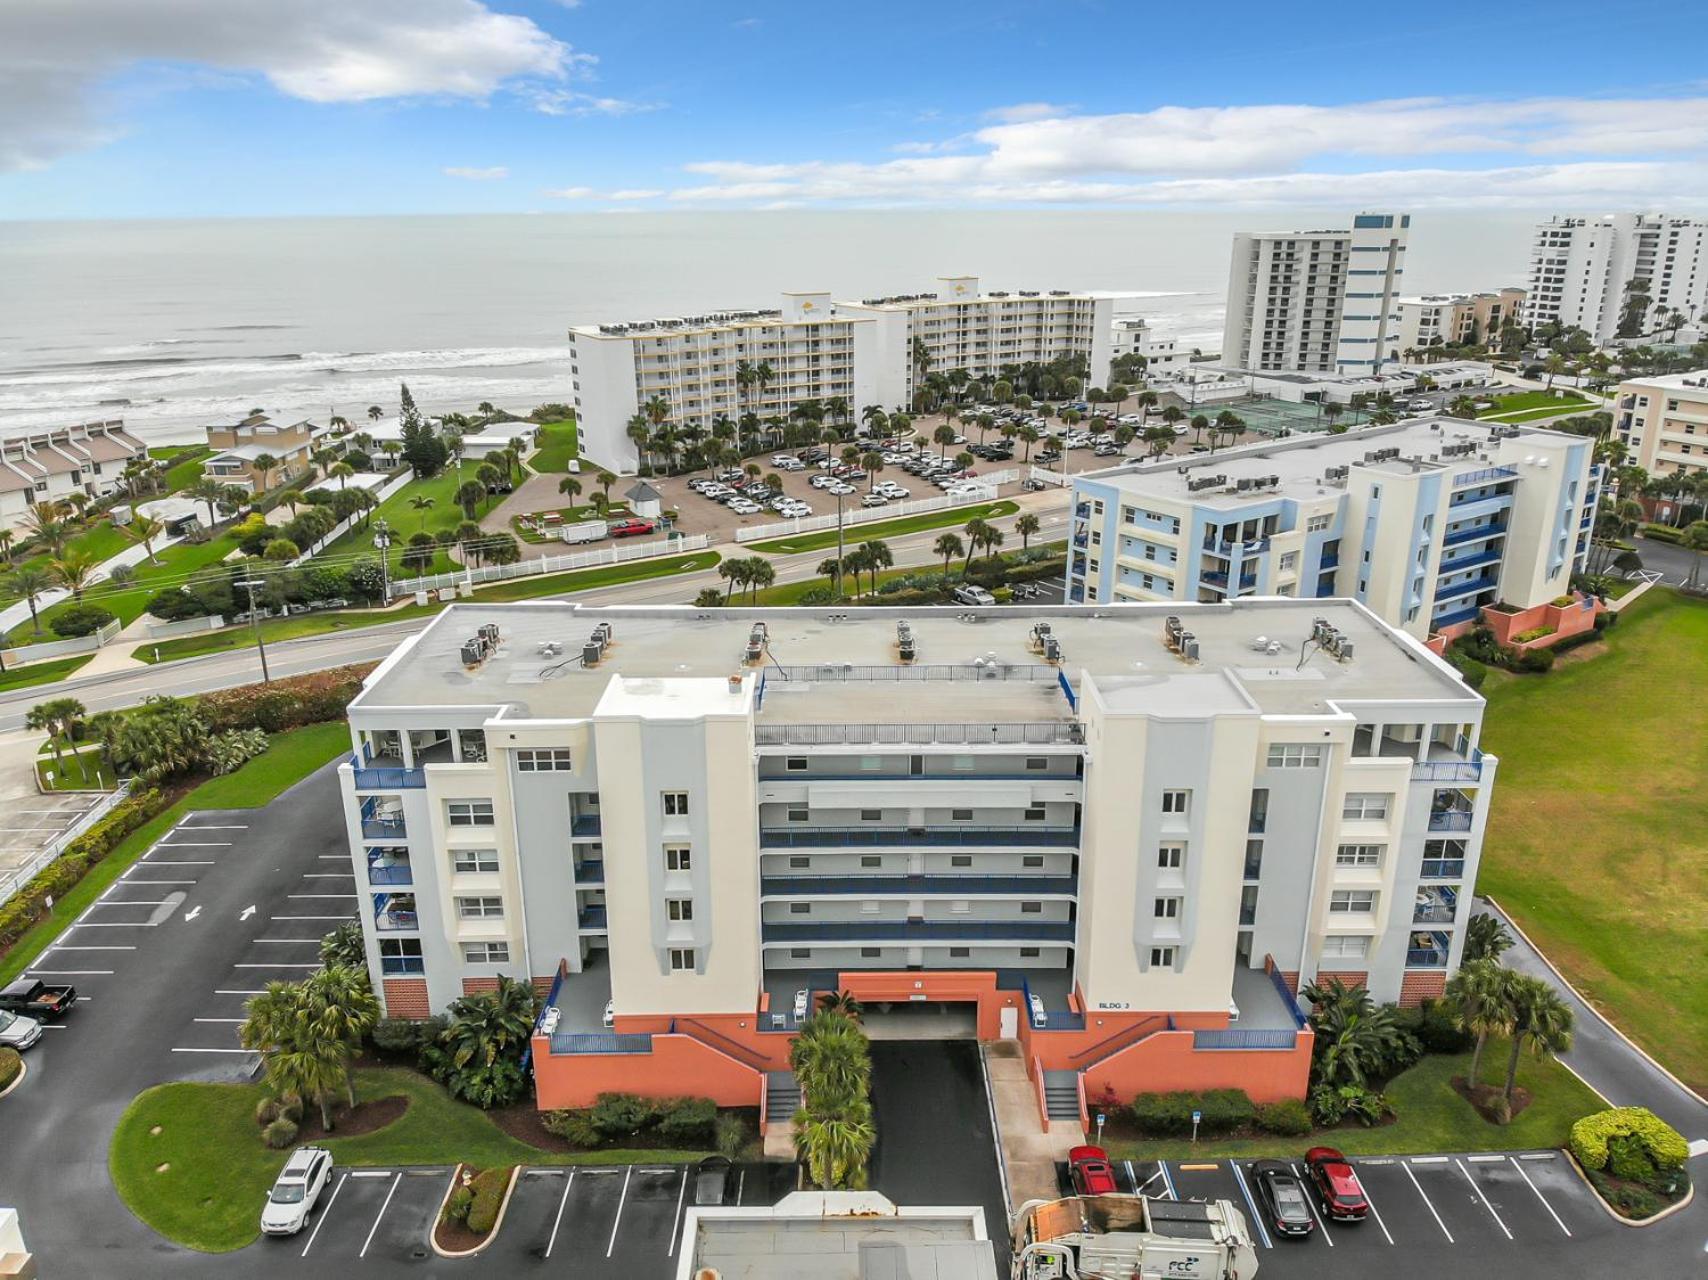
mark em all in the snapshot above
pixel 1697 380
pixel 839 1236
pixel 1300 461
pixel 840 666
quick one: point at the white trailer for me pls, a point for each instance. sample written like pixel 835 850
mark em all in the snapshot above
pixel 586 531
pixel 1131 1238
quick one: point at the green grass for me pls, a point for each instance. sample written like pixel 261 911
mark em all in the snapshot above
pixel 557 447
pixel 1598 832
pixel 314 624
pixel 85 770
pixel 209 1197
pixel 570 515
pixel 1562 401
pixel 790 593
pixel 291 757
pixel 853 535
pixel 1533 415
pixel 185 464
pixel 42 672
pixel 1430 1116
pixel 405 520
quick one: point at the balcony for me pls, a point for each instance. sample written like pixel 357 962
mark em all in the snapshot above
pixel 1468 770
pixel 1040 733
pixel 1472 533
pixel 1235 1038
pixel 1452 616
pixel 400 966
pixel 1442 869
pixel 1450 820
pixel 385 779
pixel 1488 475
pixel 382 821
pixel 918 931
pixel 395 912
pixel 1436 907
pixel 591 918
pixel 592 1042
pixel 1428 950
pixel 585 826
pixel 590 871
pixel 915 837
pixel 389 866
pixel 1473 561
pixel 882 886
pixel 1469 587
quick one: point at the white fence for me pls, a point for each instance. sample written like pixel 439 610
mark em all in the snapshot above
pixel 18 877
pixel 61 648
pixel 184 627
pixel 985 492
pixel 552 564
pixel 1059 479
pixel 344 526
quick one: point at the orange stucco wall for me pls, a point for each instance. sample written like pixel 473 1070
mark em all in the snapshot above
pixel 1567 620
pixel 1167 1063
pixel 678 1065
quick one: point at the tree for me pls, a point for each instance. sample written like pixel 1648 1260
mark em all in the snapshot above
pixel 45 522
pixel 143 531
pixel 948 545
pixel 877 555
pixel 1694 539
pixel 72 571
pixel 734 572
pixel 1027 526
pixel 264 464
pixel 1029 436
pixel 832 1062
pixel 832 569
pixel 211 491
pixel 57 717
pixel 1541 1022
pixel 1555 364
pixel 1486 938
pixel 299 1062
pixel 976 531
pixel 423 504
pixel 343 946
pixel 30 582
pixel 605 480
pixel 469 495
pixel 1478 999
pixel 478 1054
pixel 7 538
pixel 1356 1039
pixel 341 471
pixel 339 1006
pixel 570 487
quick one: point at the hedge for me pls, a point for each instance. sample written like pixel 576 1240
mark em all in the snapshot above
pixel 1592 1135
pixel 11 1064
pixel 1663 533
pixel 1169 1115
pixel 489 1187
pixel 285 704
pixel 29 904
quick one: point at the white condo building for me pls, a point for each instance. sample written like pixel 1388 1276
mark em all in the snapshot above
pixel 1124 836
pixel 1424 522
pixel 48 465
pixel 1133 336
pixel 1581 270
pixel 1317 301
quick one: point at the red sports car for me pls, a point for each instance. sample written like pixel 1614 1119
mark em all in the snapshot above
pixel 1337 1185
pixel 1091 1173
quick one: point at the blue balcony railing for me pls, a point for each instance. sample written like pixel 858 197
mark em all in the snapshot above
pixel 1473 561
pixel 576 1042
pixel 1426 958
pixel 389 873
pixel 383 828
pixel 1251 1038
pixel 385 779
pixel 1054 1019
pixel 1488 475
pixel 585 825
pixel 1442 869
pixel 591 917
pixel 913 837
pixel 394 921
pixel 1214 579
pixel 399 966
pixel 880 886
pixel 918 930
pixel 1450 820
pixel 1449 770
pixel 1469 587
pixel 1463 614
pixel 1288 999
pixel 592 871
pixel 1472 533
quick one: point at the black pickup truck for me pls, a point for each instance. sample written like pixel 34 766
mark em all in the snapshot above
pixel 35 999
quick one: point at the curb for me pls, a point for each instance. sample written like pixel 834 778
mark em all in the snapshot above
pixel 1604 1019
pixel 433 1231
pixel 23 1070
pixel 1620 1218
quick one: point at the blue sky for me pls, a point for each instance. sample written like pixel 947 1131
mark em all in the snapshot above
pixel 114 108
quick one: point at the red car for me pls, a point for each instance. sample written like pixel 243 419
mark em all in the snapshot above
pixel 1337 1185
pixel 631 528
pixel 1089 1168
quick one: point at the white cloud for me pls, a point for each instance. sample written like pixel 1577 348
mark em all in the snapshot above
pixel 1022 112
pixel 496 172
pixel 572 193
pixel 55 56
pixel 636 193
pixel 568 102
pixel 622 193
pixel 748 24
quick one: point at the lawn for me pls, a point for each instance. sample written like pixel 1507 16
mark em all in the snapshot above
pixel 1532 415
pixel 557 447
pixel 1556 402
pixel 1430 1116
pixel 188 1160
pixel 405 519
pixel 184 463
pixel 854 534
pixel 569 515
pixel 1598 834
pixel 42 672
pixel 790 593
pixel 291 757
pixel 85 770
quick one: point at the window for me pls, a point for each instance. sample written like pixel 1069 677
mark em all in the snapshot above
pixel 486 953
pixel 1031 908
pixel 1365 806
pixel 1167 908
pixel 960 860
pixel 1034 813
pixel 1358 855
pixel 800 908
pixel 678 857
pixel 1037 763
pixel 1171 857
pixel 1316 524
pixel 1345 946
pixel 676 804
pixel 871 860
pixel 960 953
pixel 480 908
pixel 800 953
pixel 1162 957
pixel 1289 561
pixel 468 813
pixel 1032 860
pixel 555 759
pixel 1352 901
pixel 1175 801
pixel 1295 755
pixel 681 959
pixel 474 860
pixel 960 815
pixel 871 815
pixel 401 955
pixel 795 764
pixel 797 815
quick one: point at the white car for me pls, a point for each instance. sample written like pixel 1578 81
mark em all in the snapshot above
pixel 840 489
pixel 745 507
pixel 874 500
pixel 891 489
pixel 822 482
pixel 783 459
pixel 17 1031
pixel 296 1190
pixel 793 464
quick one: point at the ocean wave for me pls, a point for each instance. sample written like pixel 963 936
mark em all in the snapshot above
pixel 191 368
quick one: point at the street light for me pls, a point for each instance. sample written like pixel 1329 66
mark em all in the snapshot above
pixel 839 551
pixel 255 620
pixel 382 540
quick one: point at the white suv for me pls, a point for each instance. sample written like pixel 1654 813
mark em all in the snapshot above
pixel 296 1191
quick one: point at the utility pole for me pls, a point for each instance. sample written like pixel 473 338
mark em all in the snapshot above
pixel 255 621
pixel 839 551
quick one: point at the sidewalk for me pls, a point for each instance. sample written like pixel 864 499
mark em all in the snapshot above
pixel 1030 1151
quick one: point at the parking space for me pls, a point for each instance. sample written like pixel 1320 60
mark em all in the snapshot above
pixel 383 1214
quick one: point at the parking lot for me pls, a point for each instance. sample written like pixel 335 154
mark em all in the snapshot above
pixel 1482 1214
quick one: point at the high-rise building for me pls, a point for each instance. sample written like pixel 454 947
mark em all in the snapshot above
pixel 1663 421
pixel 1618 275
pixel 1123 837
pixel 1424 521
pixel 1455 319
pixel 1317 301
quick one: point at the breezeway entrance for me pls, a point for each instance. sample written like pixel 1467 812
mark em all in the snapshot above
pixel 921 1020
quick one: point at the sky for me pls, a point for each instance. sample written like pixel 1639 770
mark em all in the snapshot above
pixel 193 108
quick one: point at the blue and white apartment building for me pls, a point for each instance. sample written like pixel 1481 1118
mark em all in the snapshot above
pixel 1424 521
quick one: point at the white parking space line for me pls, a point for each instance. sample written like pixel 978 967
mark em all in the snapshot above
pixel 234 1021
pixel 676 1222
pixel 334 857
pixel 111 924
pixel 1162 1168
pixel 124 879
pixel 70 946
pixel 1310 1203
pixel 1483 1198
pixel 71 973
pixel 324 1214
pixel 621 1200
pixel 130 902
pixel 207 862
pixel 1245 1191
pixel 567 1184
pixel 177 1050
pixel 370 1173
pixel 1485 1159
pixel 1428 1203
pixel 1544 1199
pixel 275 966
pixel 381 1214
pixel 212 826
pixel 1373 1209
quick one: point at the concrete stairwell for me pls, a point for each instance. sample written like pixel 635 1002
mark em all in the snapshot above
pixel 1061 1095
pixel 782 1098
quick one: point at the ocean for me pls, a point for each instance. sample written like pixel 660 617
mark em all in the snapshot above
pixel 175 324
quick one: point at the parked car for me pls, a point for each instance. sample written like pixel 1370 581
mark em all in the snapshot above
pixel 973 595
pixel 840 490
pixel 1282 1198
pixel 874 500
pixel 35 999
pixel 296 1191
pixel 631 528
pixel 1336 1182
pixel 1032 485
pixel 1420 405
pixel 17 1031
pixel 745 507
pixel 711 1180
pixel 1091 1172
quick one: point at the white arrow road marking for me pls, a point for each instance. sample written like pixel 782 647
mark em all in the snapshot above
pixel 246 913
pixel 192 914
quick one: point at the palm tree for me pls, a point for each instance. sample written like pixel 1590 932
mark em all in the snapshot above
pixel 30 582
pixel 944 436
pixel 375 413
pixel 45 522
pixel 733 572
pixel 57 718
pixel 1694 539
pixel 1555 364
pixel 570 487
pixel 873 463
pixel 469 495
pixel 1540 1020
pixel 211 491
pixel 832 569
pixel 843 1002
pixel 143 531
pixel 605 480
pixel 340 1007
pixel 1486 938
pixel 992 540
pixel 1479 999
pixel 877 555
pixel 948 545
pixel 264 465
pixel 975 530
pixel 7 537
pixel 72 571
pixel 1356 1038
pixel 343 471
pixel 837 1145
pixel 298 1061
pixel 486 1031
pixel 1029 434
pixel 1027 526
pixel 760 574
pixel 423 504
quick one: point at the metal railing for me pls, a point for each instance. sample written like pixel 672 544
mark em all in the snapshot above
pixel 18 877
pixel 1486 476
pixel 1457 536
pixel 592 871
pixel 401 966
pixel 591 917
pixel 385 778
pixel 1442 869
pixel 1054 1019
pixel 1469 587
pixel 392 874
pixel 586 1042
pixel 880 886
pixel 892 776
pixel 1027 733
pixel 953 673
pixel 1287 997
pixel 1449 770
pixel 383 829
pixel 1421 958
pixel 1450 820
pixel 1251 1038
pixel 918 930
pixel 908 837
pixel 1473 561
pixel 396 921
pixel 1434 913
pixel 586 825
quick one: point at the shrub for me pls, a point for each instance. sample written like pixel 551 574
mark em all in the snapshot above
pixel 729 1135
pixel 11 1066
pixel 1533 633
pixel 1473 672
pixel 1329 1105
pixel 266 1111
pixel 1663 533
pixel 457 1204
pixel 228 751
pixel 1224 1110
pixel 1436 1032
pixel 1288 1118
pixel 1592 1138
pixel 173 604
pixel 621 1115
pixel 290 1108
pixel 1535 661
pixel 397 1035
pixel 280 1133
pixel 687 1121
pixel 1162 1115
pixel 574 1127
pixel 80 620
pixel 284 704
pixel 489 1187
pixel 1170 1114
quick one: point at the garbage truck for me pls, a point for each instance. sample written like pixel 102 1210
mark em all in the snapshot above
pixel 1131 1237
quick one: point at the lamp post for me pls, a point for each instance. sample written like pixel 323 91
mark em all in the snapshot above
pixel 382 541
pixel 255 621
pixel 839 551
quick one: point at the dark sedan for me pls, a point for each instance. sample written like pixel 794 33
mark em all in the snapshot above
pixel 1282 1199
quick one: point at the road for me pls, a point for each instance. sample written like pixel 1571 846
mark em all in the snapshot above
pixel 317 653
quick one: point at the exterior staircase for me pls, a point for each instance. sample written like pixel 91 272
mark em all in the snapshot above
pixel 1061 1095
pixel 782 1096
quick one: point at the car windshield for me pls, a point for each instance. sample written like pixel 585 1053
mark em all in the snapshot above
pixel 288 1193
pixel 7 1019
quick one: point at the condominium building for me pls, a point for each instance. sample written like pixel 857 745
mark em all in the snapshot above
pixel 1133 336
pixel 1423 521
pixel 44 466
pixel 1456 319
pixel 1663 421
pixel 691 364
pixel 1317 301
pixel 1122 836
pixel 258 438
pixel 1585 271
pixel 958 327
